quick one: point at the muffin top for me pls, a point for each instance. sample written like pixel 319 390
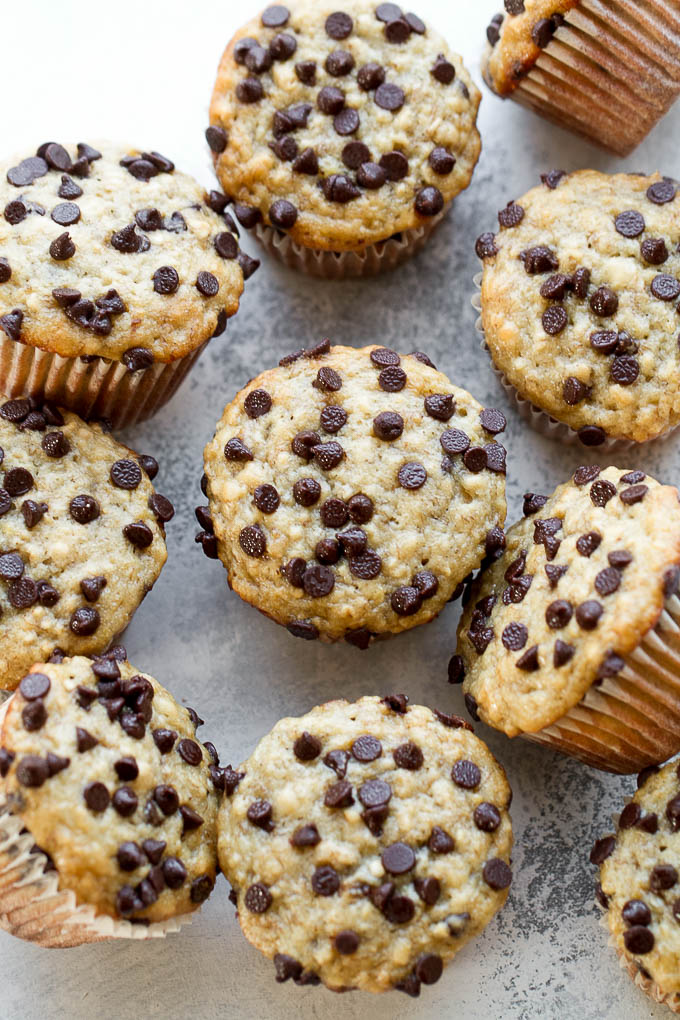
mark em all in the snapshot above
pixel 516 38
pixel 352 490
pixel 81 532
pixel 103 767
pixel 640 881
pixel 581 581
pixel 113 253
pixel 580 301
pixel 342 125
pixel 366 843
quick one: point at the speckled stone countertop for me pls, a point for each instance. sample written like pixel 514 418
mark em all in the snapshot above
pixel 143 72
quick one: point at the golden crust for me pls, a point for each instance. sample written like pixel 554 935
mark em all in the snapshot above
pixel 168 325
pixel 520 700
pixel 434 114
pixel 302 924
pixel 83 842
pixel 576 221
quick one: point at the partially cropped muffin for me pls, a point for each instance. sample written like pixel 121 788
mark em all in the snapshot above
pixel 639 886
pixel 342 133
pixel 82 535
pixel 116 270
pixel 579 303
pixel 607 71
pixel 571 637
pixel 351 491
pixel 108 805
pixel 366 843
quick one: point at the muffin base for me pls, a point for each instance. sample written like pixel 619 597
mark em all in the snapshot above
pixel 648 985
pixel 95 389
pixel 539 420
pixel 609 73
pixel 331 265
pixel 630 720
pixel 33 908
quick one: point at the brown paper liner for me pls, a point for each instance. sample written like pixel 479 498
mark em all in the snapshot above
pixel 630 720
pixel 648 985
pixel 33 908
pixel 93 389
pixel 610 72
pixel 539 420
pixel 330 265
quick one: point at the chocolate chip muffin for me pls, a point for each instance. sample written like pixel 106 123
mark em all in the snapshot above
pixel 342 134
pixel 108 803
pixel 607 71
pixel 579 303
pixel 351 491
pixel 116 269
pixel 366 843
pixel 82 534
pixel 639 885
pixel 571 637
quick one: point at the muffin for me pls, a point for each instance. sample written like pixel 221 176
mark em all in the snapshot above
pixel 607 71
pixel 350 491
pixel 342 134
pixel 82 534
pixel 639 886
pixel 579 305
pixel 366 843
pixel 571 637
pixel 116 270
pixel 108 806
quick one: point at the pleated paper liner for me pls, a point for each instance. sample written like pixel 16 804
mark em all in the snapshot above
pixel 33 908
pixel 610 72
pixel 630 720
pixel 94 389
pixel 330 265
pixel 539 420
pixel 645 984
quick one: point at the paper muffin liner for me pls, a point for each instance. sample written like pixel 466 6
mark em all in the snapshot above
pixel 630 720
pixel 331 265
pixel 609 73
pixel 33 908
pixel 94 389
pixel 645 984
pixel 539 420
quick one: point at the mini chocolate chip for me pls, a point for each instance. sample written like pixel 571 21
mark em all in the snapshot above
pixel 62 248
pixel 497 874
pixel 346 942
pixel 325 881
pixel 266 499
pixel 257 403
pixel 305 836
pixel 485 246
pixel 441 160
pixel 511 216
pixel 252 541
pixel 207 284
pixel 661 192
pixel 395 165
pixel 306 491
pixel 408 756
pixel 475 459
pixel 539 259
pixel 339 188
pixel 125 474
pixel 66 213
pixel 466 774
pixel 514 636
pixel 574 391
pixel 633 494
pixel 665 287
pixel 96 797
pixel 338 25
pixel 558 614
pixel 249 90
pixel 34 716
pixel 443 71
pixel 604 301
pixel 630 223
pixel 588 614
pixel 601 492
pixel 654 250
pixel 366 566
pixel 307 747
pixel 638 940
pixel 487 817
pixel 388 425
pixel 429 200
pixel 390 97
pixel 236 449
pixel 339 63
pixel 138 534
pixel 360 508
pixel 366 748
pixel 306 162
pixel 554 319
pixel 398 858
pixel 529 662
pixel 136 359
pixel 426 583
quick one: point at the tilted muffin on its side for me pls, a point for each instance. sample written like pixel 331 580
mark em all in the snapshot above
pixel 608 71
pixel 639 885
pixel 82 534
pixel 351 491
pixel 579 304
pixel 572 637
pixel 116 270
pixel 108 805
pixel 335 128
pixel 366 843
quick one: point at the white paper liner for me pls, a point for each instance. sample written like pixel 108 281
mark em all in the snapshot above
pixel 630 720
pixel 539 420
pixel 33 908
pixel 93 389
pixel 609 73
pixel 330 265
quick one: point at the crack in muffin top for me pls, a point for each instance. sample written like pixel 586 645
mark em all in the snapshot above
pixel 114 253
pixel 580 305
pixel 342 125
pixel 351 491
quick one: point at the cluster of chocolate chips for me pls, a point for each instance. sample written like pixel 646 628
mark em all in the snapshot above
pixel 662 880
pixel 604 302
pixel 27 414
pixel 542 32
pixel 370 173
pixel 318 579
pixel 399 860
pixel 93 315
pixel 559 612
pixel 127 701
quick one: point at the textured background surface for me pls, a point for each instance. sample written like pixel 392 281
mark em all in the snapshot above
pixel 143 71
